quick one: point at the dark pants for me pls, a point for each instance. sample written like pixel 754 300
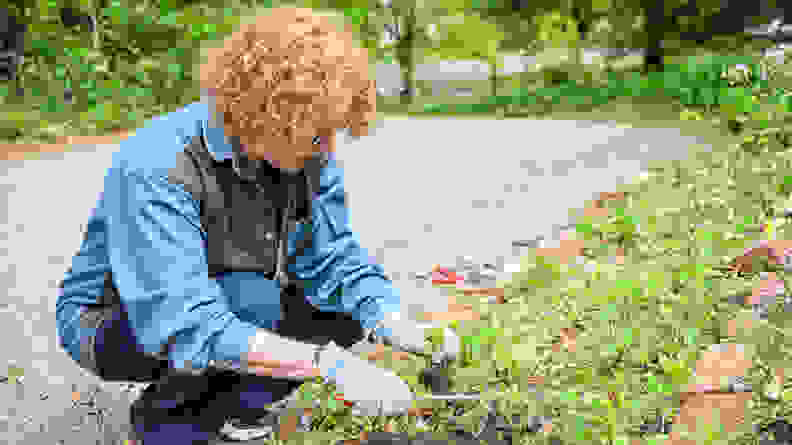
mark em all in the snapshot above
pixel 191 409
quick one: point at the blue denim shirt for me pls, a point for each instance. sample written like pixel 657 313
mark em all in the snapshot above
pixel 148 232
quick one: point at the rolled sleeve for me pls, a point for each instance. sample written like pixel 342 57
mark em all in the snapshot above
pixel 379 298
pixel 156 251
pixel 339 274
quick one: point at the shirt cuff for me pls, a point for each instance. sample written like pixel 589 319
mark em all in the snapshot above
pixel 381 297
pixel 233 343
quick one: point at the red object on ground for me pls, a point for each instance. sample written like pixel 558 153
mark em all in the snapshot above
pixel 443 275
pixel 340 398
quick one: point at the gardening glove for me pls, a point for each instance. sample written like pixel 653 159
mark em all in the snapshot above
pixel 375 391
pixel 401 332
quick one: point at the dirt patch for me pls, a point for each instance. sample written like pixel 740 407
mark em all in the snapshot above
pixel 10 152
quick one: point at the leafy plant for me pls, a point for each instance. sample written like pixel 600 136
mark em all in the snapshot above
pixel 643 322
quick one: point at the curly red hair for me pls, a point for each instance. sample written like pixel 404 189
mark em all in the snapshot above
pixel 290 73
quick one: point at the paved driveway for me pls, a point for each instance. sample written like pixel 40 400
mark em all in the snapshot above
pixel 421 192
pixel 438 74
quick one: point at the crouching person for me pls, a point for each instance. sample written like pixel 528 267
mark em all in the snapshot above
pixel 219 265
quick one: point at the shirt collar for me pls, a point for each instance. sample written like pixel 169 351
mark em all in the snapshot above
pixel 223 148
pixel 217 143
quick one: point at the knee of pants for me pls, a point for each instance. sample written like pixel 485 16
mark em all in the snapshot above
pixel 217 398
pixel 322 327
pixel 173 415
pixel 254 393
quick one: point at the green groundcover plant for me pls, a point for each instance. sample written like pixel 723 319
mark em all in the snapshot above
pixel 643 322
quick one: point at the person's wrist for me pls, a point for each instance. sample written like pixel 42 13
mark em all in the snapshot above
pixel 317 359
pixel 320 357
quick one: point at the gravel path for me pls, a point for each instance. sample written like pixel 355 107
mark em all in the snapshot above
pixel 421 192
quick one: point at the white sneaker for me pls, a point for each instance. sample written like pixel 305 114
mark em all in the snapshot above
pixel 243 430
pixel 238 430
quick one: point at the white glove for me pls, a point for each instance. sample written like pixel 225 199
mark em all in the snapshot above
pixel 407 335
pixel 375 391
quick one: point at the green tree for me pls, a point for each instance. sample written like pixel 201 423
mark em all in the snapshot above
pixel 469 36
pixel 567 16
pixel 406 21
pixel 696 23
pixel 412 39
pixel 511 17
pixel 656 24
pixel 364 17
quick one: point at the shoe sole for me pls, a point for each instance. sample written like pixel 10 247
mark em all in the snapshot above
pixel 233 434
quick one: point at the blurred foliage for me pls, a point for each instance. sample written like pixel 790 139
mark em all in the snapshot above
pixel 143 66
pixel 141 59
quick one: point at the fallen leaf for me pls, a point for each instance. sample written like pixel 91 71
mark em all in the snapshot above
pixel 766 290
pixel 620 255
pixel 716 365
pixel 419 412
pixel 380 353
pixel 485 291
pixel 597 207
pixel 535 380
pixel 457 313
pixel 569 338
pixel 609 196
pixel 566 250
pixel 773 250
pixel 700 409
pixel 289 425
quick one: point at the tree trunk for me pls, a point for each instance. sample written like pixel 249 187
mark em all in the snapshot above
pixel 583 25
pixel 405 50
pixel 493 77
pixel 655 29
pixel 371 38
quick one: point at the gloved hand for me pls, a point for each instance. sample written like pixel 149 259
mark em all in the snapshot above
pixel 375 391
pixel 411 336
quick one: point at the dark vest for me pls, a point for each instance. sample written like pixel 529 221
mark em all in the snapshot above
pixel 246 224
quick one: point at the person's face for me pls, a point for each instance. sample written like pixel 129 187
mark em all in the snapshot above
pixel 285 154
pixel 282 152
